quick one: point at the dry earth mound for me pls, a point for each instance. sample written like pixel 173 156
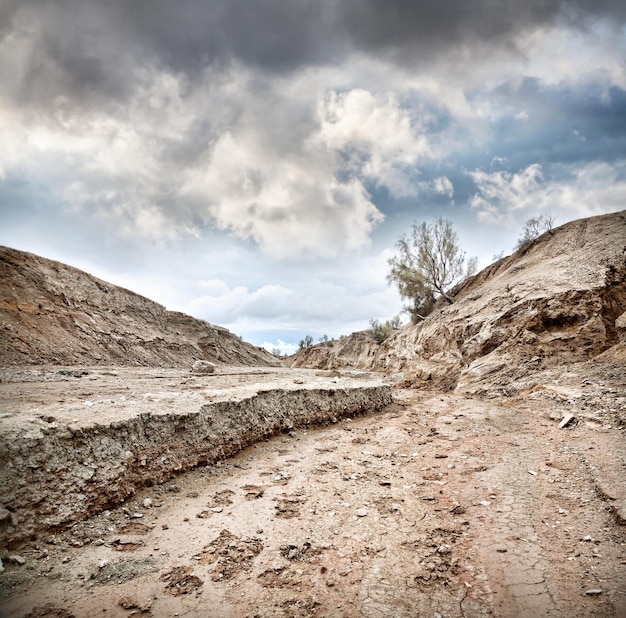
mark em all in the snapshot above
pixel 53 313
pixel 553 303
pixel 355 351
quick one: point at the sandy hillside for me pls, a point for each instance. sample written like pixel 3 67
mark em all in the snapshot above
pixel 53 313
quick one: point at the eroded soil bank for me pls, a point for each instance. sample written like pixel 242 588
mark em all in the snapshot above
pixel 440 505
pixel 76 442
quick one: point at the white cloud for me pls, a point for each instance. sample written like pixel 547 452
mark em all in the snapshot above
pixel 563 54
pixel 289 204
pixel 335 297
pixel 504 197
pixel 375 136
pixel 501 193
pixel 285 348
pixel 443 186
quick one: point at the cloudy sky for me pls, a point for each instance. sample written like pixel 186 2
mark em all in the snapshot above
pixel 252 162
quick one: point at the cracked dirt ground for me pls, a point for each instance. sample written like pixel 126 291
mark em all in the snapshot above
pixel 440 506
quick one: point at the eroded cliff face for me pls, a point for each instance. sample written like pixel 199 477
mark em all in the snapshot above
pixel 556 302
pixel 64 456
pixel 53 313
pixel 355 351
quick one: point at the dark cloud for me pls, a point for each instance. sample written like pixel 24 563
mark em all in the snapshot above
pixel 90 48
pixel 417 33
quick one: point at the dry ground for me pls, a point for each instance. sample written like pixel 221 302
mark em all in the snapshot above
pixel 440 506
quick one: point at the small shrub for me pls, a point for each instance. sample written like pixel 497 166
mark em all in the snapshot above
pixel 383 330
pixel 533 228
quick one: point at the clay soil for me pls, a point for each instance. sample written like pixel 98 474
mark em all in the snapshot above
pixel 441 505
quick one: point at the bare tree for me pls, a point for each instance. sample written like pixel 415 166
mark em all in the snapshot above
pixel 429 263
pixel 535 227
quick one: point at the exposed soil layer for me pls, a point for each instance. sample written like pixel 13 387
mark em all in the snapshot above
pixel 75 442
pixel 53 313
pixel 439 505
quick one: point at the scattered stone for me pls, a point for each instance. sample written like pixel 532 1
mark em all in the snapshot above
pixel 1 567
pixel 457 510
pixel 593 591
pixel 122 571
pixel 147 503
pixel 128 602
pixel 73 373
pixel 203 367
pixel 4 514
pixel 15 559
pixel 180 581
pixel 532 472
pixel 230 555
pixel 298 381
pixel 361 512
pixel 568 419
pixel 444 549
pixel 127 543
pixel 137 515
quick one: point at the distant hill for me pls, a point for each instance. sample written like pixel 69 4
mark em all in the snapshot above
pixel 355 351
pixel 51 313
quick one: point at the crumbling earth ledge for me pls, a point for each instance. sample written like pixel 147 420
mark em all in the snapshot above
pixel 56 470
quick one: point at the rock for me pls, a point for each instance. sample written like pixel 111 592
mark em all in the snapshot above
pixel 361 512
pixel 620 325
pixel 444 549
pixel 593 591
pixel 128 602
pixel 147 503
pixel 1 567
pixel 203 367
pixel 15 559
pixel 4 514
pixel 568 419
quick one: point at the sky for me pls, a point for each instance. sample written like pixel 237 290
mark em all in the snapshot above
pixel 254 162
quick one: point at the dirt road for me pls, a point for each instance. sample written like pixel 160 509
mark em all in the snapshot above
pixel 442 506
